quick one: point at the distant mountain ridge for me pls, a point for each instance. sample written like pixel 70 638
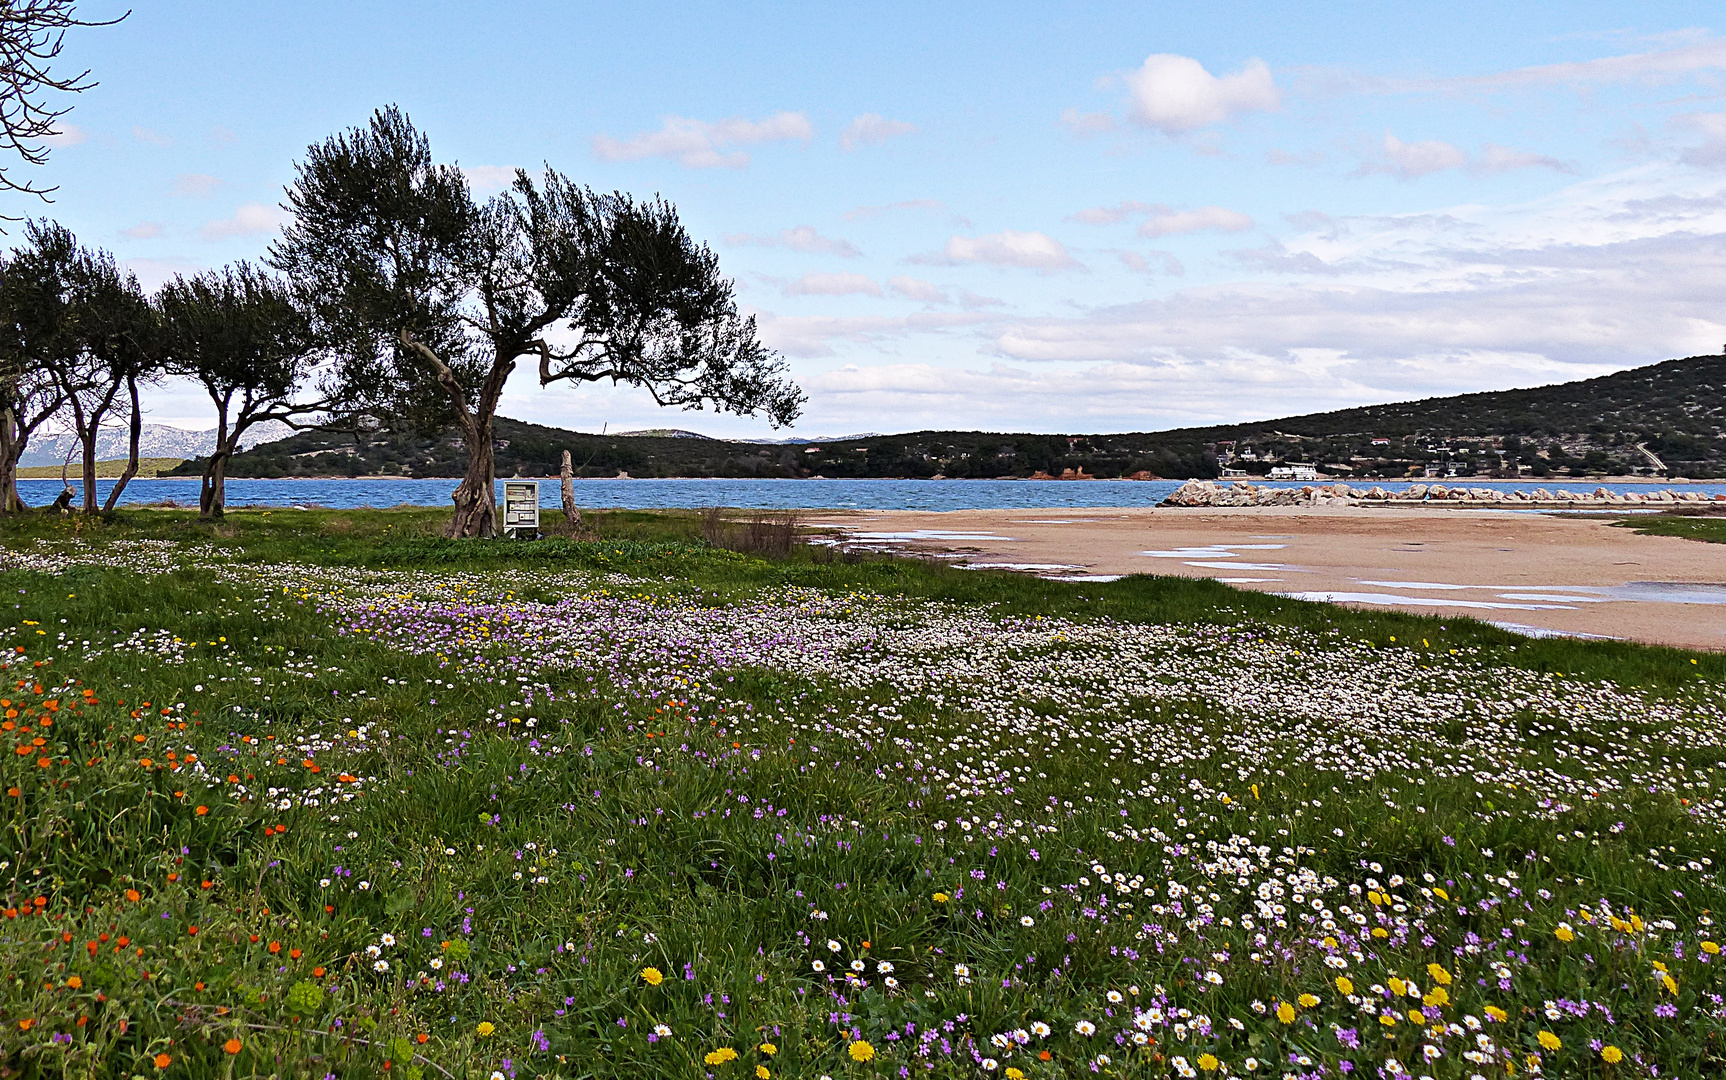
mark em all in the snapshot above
pixel 1666 419
pixel 154 441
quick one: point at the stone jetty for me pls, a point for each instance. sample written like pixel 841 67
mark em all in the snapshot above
pixel 1245 493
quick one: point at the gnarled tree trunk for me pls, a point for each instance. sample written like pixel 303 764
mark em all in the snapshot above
pixel 12 439
pixel 476 498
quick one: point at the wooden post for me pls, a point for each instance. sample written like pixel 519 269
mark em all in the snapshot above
pixel 567 474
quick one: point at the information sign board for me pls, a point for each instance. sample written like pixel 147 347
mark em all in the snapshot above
pixel 521 505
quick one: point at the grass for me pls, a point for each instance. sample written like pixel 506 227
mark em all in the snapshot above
pixel 1711 529
pixel 105 470
pixel 818 817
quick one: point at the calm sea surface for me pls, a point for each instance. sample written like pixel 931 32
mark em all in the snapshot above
pixel 744 494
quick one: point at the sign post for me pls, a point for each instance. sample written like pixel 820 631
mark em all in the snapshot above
pixel 521 508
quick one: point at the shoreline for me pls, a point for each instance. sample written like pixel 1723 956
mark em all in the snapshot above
pixel 1535 573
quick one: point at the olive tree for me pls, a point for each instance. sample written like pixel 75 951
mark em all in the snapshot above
pixel 237 332
pixel 430 299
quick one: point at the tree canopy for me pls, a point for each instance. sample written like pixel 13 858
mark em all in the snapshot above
pixel 428 299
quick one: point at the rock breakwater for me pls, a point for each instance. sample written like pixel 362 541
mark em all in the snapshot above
pixel 1245 493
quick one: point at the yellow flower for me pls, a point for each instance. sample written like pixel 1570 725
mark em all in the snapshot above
pixel 1438 995
pixel 1441 894
pixel 1548 1040
pixel 1711 948
pixel 1415 1017
pixel 862 1051
pixel 1397 986
pixel 761 1072
pixel 1388 1020
pixel 485 1028
pixel 652 976
pixel 1208 1062
pixel 940 898
pixel 720 1056
pixel 768 1048
pixel 1564 932
pixel 1497 1013
pixel 1380 932
pixel 1285 1012
pixel 1439 975
pixel 1307 1001
pixel 1344 985
pixel 1014 1074
pixel 1670 983
pixel 1611 1055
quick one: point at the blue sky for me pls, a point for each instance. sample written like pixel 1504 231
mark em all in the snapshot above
pixel 1037 217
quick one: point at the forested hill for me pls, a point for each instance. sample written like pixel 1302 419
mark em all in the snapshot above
pixel 1667 419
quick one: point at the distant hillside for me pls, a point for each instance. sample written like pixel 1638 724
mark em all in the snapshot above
pixel 1668 419
pixel 147 467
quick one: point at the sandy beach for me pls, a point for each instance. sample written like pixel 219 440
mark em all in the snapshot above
pixel 1537 572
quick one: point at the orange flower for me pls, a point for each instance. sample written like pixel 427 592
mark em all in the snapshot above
pixel 422 1037
pixel 202 810
pixel 132 895
pixel 275 946
pixel 294 954
pixel 163 1061
pixel 75 982
pixel 317 973
pixel 198 987
pixel 232 1046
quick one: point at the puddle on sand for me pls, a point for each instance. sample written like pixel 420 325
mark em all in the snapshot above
pixel 1081 577
pixel 1245 580
pixel 1548 632
pixel 1211 551
pixel 1393 600
pixel 1019 566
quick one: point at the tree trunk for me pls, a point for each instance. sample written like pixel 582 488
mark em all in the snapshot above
pixel 213 488
pixel 131 450
pixel 12 439
pixel 90 470
pixel 570 513
pixel 476 498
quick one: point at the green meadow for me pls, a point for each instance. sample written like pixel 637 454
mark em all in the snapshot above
pixel 322 794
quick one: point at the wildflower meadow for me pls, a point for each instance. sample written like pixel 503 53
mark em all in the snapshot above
pixel 314 795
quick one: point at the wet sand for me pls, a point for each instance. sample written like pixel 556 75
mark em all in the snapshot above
pixel 1540 573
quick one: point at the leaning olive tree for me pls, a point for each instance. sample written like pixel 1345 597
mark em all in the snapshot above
pixel 430 299
pixel 237 332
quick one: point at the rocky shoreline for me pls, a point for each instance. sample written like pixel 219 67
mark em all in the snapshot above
pixel 1198 493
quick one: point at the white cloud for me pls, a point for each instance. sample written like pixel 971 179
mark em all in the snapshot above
pixel 487 179
pixel 907 204
pixel 249 220
pixel 1496 159
pixel 154 138
pixel 1030 250
pixel 1711 151
pixel 145 230
pixel 833 285
pixel 911 288
pixel 1111 215
pixel 1410 161
pixel 194 186
pixel 1164 220
pixel 66 135
pixel 1205 218
pixel 801 238
pixel 871 128
pixel 1175 94
pixel 700 144
pixel 1084 123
